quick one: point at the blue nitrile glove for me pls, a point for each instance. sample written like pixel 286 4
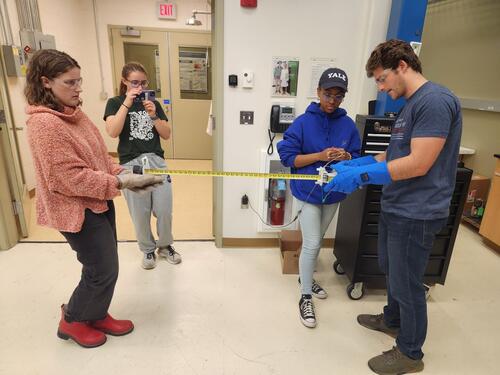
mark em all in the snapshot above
pixel 345 164
pixel 352 178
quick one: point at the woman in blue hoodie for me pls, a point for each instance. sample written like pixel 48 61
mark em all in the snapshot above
pixel 321 136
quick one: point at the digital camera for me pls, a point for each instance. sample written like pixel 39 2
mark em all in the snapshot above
pixel 146 95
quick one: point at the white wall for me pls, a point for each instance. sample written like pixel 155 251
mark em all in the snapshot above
pixel 344 30
pixel 72 24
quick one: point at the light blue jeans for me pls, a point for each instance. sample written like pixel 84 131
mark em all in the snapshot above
pixel 157 202
pixel 314 221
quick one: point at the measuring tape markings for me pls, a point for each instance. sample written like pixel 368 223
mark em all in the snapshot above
pixel 186 172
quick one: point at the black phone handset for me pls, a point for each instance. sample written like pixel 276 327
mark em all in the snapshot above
pixel 274 123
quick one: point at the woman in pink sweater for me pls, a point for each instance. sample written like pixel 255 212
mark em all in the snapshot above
pixel 76 182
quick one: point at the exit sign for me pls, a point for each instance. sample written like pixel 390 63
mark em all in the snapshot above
pixel 166 11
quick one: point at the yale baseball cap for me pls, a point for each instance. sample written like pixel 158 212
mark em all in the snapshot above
pixel 333 77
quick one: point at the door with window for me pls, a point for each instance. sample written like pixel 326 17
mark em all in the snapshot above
pixel 190 62
pixel 149 49
pixel 179 70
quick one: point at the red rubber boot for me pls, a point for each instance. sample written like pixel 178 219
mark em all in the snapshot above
pixel 113 326
pixel 80 332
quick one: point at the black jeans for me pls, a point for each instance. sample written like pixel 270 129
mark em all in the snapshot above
pixel 96 250
pixel 404 246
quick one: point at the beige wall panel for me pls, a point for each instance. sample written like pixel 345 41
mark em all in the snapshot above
pixel 461 50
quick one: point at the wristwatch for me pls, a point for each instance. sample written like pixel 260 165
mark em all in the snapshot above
pixel 154 118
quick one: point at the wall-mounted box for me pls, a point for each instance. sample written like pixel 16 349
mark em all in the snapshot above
pixel 14 61
pixel 35 40
pixel 45 41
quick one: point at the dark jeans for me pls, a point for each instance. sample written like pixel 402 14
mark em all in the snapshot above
pixel 404 246
pixel 96 250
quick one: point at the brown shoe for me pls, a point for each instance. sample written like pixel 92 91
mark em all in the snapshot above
pixel 376 322
pixel 393 362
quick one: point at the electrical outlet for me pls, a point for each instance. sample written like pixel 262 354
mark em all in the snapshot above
pixel 244 201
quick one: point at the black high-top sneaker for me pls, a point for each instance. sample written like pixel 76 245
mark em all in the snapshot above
pixel 306 308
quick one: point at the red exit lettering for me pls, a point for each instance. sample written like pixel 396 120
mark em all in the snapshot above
pixel 166 9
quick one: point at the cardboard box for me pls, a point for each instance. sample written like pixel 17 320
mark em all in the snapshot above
pixel 478 189
pixel 290 245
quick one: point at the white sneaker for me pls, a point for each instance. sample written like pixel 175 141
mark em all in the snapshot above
pixel 149 261
pixel 317 290
pixel 170 254
pixel 307 315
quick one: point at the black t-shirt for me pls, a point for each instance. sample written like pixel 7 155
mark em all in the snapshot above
pixel 139 135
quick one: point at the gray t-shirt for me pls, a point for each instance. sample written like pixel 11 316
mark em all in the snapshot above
pixel 432 111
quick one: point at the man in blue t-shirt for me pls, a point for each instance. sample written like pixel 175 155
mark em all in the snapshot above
pixel 418 172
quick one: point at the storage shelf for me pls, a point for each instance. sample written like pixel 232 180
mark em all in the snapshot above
pixel 475 222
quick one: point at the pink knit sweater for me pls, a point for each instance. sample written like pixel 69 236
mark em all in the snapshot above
pixel 72 166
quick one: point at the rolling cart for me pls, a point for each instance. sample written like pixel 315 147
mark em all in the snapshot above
pixel 356 237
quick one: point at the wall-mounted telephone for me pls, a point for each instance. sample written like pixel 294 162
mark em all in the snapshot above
pixel 281 118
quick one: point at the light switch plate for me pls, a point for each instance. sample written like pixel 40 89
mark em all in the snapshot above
pixel 246 117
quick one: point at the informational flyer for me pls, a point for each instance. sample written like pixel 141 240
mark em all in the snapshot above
pixel 318 66
pixel 193 71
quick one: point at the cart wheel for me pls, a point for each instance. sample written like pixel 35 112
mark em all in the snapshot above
pixel 337 267
pixel 355 291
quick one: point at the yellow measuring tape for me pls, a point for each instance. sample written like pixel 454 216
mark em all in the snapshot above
pixel 322 177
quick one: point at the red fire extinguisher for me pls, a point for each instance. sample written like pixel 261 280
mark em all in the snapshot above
pixel 277 196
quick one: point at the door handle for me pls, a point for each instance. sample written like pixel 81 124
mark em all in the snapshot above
pixel 19 128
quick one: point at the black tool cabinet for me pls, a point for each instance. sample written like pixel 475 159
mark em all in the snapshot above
pixel 356 237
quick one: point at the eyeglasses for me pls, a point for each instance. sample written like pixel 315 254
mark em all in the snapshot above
pixel 136 83
pixel 381 78
pixel 333 98
pixel 73 83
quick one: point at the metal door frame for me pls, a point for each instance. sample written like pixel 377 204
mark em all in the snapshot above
pixel 12 160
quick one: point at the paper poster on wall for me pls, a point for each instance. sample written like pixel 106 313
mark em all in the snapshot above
pixel 193 71
pixel 285 76
pixel 318 66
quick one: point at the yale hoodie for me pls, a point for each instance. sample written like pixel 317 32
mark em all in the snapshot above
pixel 312 132
pixel 72 167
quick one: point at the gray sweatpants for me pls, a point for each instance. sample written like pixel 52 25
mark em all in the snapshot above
pixel 314 221
pixel 157 202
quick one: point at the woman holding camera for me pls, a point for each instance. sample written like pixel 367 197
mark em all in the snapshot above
pixel 139 122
